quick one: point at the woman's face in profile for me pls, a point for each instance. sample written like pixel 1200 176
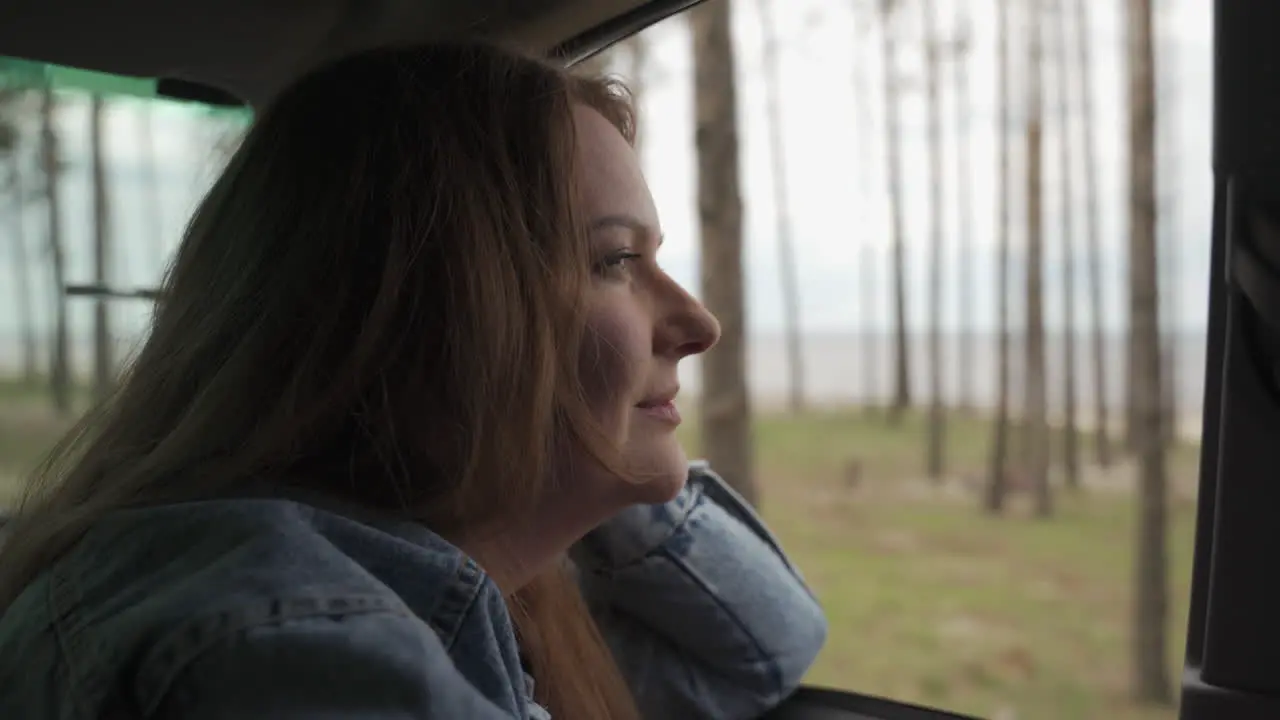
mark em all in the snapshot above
pixel 640 322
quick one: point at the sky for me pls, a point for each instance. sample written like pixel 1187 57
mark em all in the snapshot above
pixel 833 167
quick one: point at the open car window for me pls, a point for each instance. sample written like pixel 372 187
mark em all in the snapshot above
pixel 934 599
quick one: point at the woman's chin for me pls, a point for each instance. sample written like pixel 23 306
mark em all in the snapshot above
pixel 663 489
pixel 660 477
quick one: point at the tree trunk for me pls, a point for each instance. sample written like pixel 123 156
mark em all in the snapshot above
pixel 936 432
pixel 1131 396
pixel 1168 228
pixel 1089 150
pixel 1037 425
pixel 1150 609
pixel 902 362
pixel 726 406
pixel 996 485
pixel 790 283
pixel 103 375
pixel 1168 386
pixel 22 269
pixel 964 233
pixel 638 55
pixel 1070 434
pixel 59 356
pixel 154 209
pixel 863 133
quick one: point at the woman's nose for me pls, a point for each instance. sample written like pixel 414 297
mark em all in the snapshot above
pixel 689 328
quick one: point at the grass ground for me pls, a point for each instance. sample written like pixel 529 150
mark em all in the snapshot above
pixel 28 429
pixel 928 599
pixel 931 601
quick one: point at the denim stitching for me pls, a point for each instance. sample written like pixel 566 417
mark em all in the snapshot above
pixel 168 657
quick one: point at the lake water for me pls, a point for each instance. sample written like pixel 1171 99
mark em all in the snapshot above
pixel 837 372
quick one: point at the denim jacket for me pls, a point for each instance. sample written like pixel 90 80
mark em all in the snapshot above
pixel 260 609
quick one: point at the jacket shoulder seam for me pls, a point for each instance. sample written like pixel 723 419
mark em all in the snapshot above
pixel 183 643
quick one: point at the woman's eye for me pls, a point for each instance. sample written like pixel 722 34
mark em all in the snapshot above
pixel 617 263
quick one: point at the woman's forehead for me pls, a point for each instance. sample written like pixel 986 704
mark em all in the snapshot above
pixel 611 179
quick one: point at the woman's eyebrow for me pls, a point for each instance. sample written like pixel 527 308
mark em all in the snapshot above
pixel 627 222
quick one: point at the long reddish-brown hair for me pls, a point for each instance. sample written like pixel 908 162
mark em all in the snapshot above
pixel 380 297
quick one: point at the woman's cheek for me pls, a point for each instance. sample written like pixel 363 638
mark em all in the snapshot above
pixel 615 360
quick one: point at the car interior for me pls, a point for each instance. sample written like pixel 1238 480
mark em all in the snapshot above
pixel 237 52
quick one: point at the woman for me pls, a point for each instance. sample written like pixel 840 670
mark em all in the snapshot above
pixel 414 353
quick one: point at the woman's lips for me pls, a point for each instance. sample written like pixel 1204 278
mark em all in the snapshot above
pixel 665 411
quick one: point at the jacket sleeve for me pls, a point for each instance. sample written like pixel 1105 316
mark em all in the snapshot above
pixel 379 666
pixel 705 614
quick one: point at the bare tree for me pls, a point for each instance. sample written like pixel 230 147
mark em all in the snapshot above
pixel 638 78
pixel 996 485
pixel 1070 436
pixel 863 127
pixel 781 208
pixel 893 167
pixel 1151 607
pixel 1036 416
pixel 1168 230
pixel 935 440
pixel 10 134
pixel 102 362
pixel 964 207
pixel 1089 151
pixel 726 406
pixel 154 208
pixel 11 121
pixel 1131 396
pixel 22 269
pixel 50 164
